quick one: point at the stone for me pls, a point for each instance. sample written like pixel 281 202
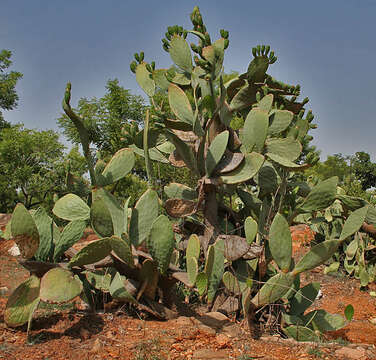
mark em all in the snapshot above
pixel 348 353
pixel 206 329
pixel 215 319
pixel 3 290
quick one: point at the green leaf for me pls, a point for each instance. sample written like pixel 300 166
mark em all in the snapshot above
pixel 349 312
pixel 180 191
pixel 354 222
pixel 119 166
pixel 250 229
pixel 59 286
pixel 114 208
pixel 218 267
pixel 154 154
pixel 193 247
pixel 231 283
pixel 280 242
pixel 22 302
pixel 273 289
pixel 246 170
pixel 324 321
pixel 101 219
pixel 24 231
pixel 180 53
pixel 288 164
pixel 192 270
pixel 122 248
pixel 321 196
pixel 286 148
pixel 144 80
pixel 161 242
pixel 143 216
pixel 215 152
pixel 304 298
pixel 91 253
pixel 44 226
pixel 71 207
pixel 201 283
pixel 160 79
pixel 255 130
pixel 301 333
pixel 71 234
pixel 118 290
pixel 265 103
pixel 279 121
pixel 99 279
pixel 180 104
pixel 317 255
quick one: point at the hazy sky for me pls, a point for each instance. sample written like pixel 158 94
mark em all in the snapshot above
pixel 326 46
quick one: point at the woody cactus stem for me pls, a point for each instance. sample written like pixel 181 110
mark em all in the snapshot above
pixel 83 133
pixel 146 152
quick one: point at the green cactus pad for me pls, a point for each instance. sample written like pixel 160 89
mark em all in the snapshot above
pixel 161 242
pixel 246 170
pixel 143 78
pixel 101 219
pixel 99 279
pixel 160 79
pixel 280 242
pixel 267 179
pixel 317 255
pixel 59 286
pixel 180 53
pixel 321 196
pixel 154 154
pixel 192 270
pixel 114 207
pixel 122 249
pixel 201 283
pixel 118 290
pixel 44 226
pixel 255 130
pixel 351 202
pixel 231 283
pixel 245 97
pixel 324 321
pixel 143 215
pixel 354 222
pixel 352 248
pixel 119 166
pixel 180 191
pixel 180 104
pixel 71 234
pixel 216 274
pixel 24 231
pixel 91 253
pixel 287 148
pixel 193 247
pixel 71 207
pixel 22 302
pixel 288 164
pixel 265 104
pixel 304 298
pixel 279 121
pixel 301 333
pixel 215 152
pixel 273 289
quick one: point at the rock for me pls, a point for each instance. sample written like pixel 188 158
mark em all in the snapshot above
pixel 233 331
pixel 348 353
pixel 3 290
pixel 204 354
pixel 183 321
pixel 14 250
pixel 206 329
pixel 215 319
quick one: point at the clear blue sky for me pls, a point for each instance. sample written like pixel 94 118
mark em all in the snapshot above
pixel 326 46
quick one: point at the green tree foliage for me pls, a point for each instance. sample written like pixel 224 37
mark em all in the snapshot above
pixel 105 117
pixel 8 81
pixel 364 169
pixel 31 166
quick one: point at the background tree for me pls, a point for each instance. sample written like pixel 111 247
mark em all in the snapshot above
pixel 8 81
pixel 364 169
pixel 31 166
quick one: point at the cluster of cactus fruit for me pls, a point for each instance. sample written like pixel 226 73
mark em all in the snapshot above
pixel 231 232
